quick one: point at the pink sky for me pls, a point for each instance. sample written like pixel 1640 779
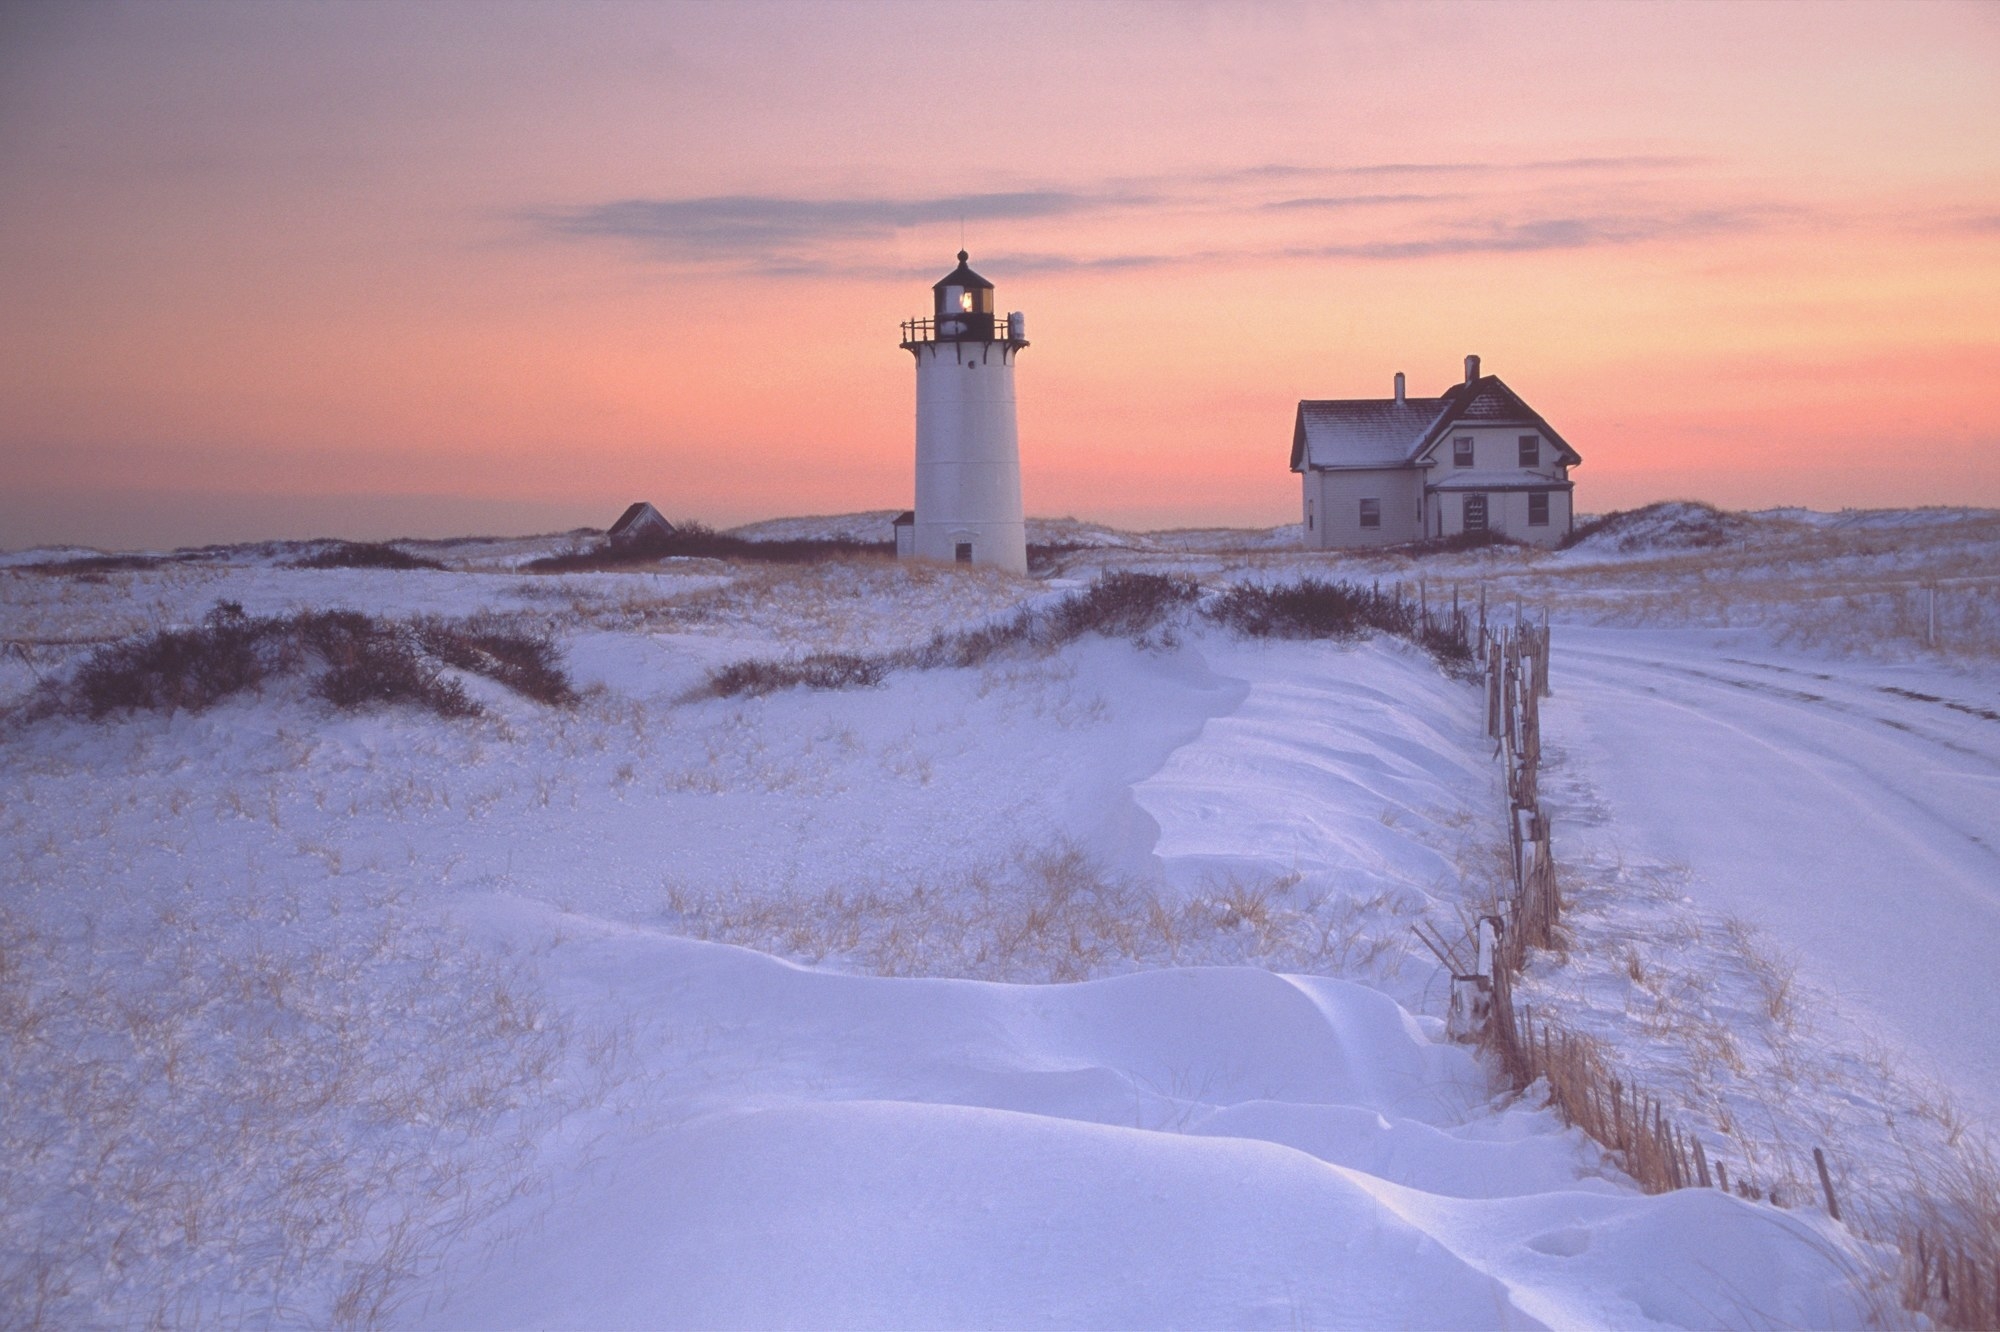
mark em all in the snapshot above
pixel 372 270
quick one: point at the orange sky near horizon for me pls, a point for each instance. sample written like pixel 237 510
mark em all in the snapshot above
pixel 275 270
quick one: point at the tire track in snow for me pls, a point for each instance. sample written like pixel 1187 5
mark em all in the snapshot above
pixel 1843 819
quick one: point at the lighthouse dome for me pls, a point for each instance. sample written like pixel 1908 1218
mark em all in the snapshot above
pixel 962 277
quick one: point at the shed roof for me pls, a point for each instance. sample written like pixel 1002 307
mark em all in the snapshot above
pixel 641 514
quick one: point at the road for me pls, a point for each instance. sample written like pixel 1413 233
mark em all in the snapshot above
pixel 1851 810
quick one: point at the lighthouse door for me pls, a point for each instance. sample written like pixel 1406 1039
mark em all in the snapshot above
pixel 963 552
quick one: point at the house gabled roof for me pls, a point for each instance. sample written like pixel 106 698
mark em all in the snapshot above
pixel 1488 401
pixel 1361 432
pixel 1382 432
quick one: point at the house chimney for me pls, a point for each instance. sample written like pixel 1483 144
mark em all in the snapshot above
pixel 1399 388
pixel 1471 368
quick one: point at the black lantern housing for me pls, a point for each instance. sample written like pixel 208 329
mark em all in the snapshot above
pixel 963 305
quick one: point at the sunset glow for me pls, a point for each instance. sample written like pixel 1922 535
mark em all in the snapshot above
pixel 285 270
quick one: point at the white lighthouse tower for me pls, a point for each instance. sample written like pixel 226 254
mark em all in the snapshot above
pixel 968 450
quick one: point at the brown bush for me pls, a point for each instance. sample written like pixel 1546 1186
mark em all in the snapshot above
pixel 354 659
pixel 364 555
pixel 694 540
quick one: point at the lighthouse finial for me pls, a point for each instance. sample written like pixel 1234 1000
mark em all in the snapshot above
pixel 963 256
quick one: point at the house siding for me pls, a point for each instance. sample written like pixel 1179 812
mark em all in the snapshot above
pixel 1506 514
pixel 1339 495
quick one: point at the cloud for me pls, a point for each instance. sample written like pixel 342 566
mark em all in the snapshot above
pixel 788 236
pixel 1072 263
pixel 1554 165
pixel 1546 234
pixel 727 226
pixel 1333 201
pixel 1284 171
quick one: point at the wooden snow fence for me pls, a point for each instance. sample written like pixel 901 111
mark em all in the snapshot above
pixel 1954 1286
pixel 1531 1047
pixel 1949 1271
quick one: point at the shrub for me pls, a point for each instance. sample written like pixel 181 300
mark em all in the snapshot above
pixel 1315 608
pixel 176 668
pixel 694 540
pixel 88 565
pixel 1457 542
pixel 1120 605
pixel 370 662
pixel 822 670
pixel 1116 605
pixel 364 555
pixel 528 664
pixel 1311 608
pixel 360 660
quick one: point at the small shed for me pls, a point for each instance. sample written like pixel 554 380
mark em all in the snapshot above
pixel 640 525
pixel 905 528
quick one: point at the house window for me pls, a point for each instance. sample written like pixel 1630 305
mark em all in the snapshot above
pixel 1531 450
pixel 1475 513
pixel 1371 513
pixel 1538 506
pixel 963 552
pixel 1309 515
pixel 1461 451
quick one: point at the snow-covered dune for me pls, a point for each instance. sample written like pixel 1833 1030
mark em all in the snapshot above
pixel 1186 1148
pixel 674 1009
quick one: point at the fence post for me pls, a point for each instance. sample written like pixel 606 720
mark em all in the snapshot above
pixel 1826 1183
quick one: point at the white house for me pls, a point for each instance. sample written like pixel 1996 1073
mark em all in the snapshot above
pixel 1390 471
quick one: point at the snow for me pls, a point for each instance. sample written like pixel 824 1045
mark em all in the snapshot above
pixel 1074 989
pixel 1855 819
pixel 1220 1147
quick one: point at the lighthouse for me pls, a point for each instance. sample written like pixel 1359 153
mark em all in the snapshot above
pixel 968 450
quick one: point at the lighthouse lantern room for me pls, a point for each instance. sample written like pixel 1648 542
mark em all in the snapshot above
pixel 968 449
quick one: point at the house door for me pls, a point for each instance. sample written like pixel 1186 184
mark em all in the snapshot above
pixel 963 553
pixel 1475 513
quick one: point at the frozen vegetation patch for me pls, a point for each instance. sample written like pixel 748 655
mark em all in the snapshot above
pixel 365 555
pixel 1117 605
pixel 227 1110
pixel 353 660
pixel 1056 914
pixel 1316 608
pixel 1143 607
pixel 692 540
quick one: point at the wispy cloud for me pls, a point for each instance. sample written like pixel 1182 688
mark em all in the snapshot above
pixel 1284 171
pixel 1241 214
pixel 1553 165
pixel 1548 233
pixel 750 223
pixel 1076 263
pixel 1329 202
